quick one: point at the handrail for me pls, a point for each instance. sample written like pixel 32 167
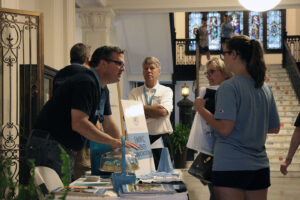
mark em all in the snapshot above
pixel 293 41
pixel 291 57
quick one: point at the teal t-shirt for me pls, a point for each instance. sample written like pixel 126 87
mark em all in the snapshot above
pixel 254 112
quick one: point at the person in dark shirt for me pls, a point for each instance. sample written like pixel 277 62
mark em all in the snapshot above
pixel 79 59
pixel 295 141
pixel 71 114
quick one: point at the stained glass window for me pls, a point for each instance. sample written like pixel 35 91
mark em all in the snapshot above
pixel 270 36
pixel 236 20
pixel 214 29
pixel 274 29
pixel 256 26
pixel 194 23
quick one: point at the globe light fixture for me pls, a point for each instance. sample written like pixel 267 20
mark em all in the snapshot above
pixel 185 91
pixel 259 5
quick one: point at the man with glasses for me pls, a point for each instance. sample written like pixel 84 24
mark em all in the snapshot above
pixel 71 114
pixel 158 105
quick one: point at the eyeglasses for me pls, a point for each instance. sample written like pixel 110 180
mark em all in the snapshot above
pixel 119 63
pixel 222 55
pixel 210 72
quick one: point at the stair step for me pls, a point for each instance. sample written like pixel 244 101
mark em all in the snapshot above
pixel 276 79
pixel 279 83
pixel 288 113
pixel 283 92
pixel 276 70
pixel 288 108
pixel 278 138
pixel 285 131
pixel 285 97
pixel 277 75
pixel 287 103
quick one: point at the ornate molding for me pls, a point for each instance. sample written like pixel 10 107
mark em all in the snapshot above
pixel 96 18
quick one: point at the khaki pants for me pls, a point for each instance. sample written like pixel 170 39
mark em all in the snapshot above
pixel 82 162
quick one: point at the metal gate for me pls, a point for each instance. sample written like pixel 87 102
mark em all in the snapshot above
pixel 21 61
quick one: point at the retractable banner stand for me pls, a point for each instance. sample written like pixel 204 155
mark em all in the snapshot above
pixel 137 132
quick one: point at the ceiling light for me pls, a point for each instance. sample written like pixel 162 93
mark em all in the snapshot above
pixel 259 5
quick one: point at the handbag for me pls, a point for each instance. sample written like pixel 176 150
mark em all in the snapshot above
pixel 202 167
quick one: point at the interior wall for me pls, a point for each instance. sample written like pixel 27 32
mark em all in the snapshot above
pixel 59 27
pixel 293 21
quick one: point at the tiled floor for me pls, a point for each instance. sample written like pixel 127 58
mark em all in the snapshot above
pixel 282 188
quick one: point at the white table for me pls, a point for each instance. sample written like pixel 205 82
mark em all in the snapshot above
pixel 111 195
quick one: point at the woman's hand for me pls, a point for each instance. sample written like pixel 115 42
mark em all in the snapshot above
pixel 199 103
pixel 284 166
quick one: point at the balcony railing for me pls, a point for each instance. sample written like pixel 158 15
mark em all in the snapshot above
pixel 182 58
pixel 293 43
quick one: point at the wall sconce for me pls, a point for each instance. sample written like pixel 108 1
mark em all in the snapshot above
pixel 258 5
pixel 185 91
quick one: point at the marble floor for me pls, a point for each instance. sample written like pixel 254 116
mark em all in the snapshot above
pixel 282 188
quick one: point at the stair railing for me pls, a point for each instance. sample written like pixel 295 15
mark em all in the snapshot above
pixel 291 56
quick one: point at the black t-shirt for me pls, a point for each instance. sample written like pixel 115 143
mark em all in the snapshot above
pixel 81 92
pixel 65 73
pixel 73 69
pixel 297 122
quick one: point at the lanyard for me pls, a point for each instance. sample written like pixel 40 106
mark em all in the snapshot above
pixel 149 103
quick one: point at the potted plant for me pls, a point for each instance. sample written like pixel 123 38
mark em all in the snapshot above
pixel 14 191
pixel 179 138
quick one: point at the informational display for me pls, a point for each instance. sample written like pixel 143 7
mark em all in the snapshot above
pixel 137 132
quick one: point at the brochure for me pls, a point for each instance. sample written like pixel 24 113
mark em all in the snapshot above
pixel 148 189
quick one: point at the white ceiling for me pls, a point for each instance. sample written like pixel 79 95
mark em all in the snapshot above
pixel 133 6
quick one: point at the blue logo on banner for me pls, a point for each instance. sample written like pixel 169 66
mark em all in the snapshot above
pixel 142 140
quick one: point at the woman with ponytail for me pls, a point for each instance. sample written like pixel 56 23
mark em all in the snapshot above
pixel 245 113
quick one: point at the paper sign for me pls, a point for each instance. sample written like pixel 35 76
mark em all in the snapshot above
pixel 137 132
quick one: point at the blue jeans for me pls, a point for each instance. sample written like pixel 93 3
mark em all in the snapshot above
pixel 46 152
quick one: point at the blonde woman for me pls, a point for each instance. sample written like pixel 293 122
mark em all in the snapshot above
pixel 215 74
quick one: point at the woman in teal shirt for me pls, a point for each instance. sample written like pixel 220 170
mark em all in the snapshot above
pixel 245 113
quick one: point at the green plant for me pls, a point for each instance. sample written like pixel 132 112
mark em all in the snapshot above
pixel 10 190
pixel 179 137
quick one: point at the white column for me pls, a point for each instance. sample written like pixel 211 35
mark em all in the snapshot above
pixel 59 31
pixel 96 26
pixel 69 27
pixel 96 31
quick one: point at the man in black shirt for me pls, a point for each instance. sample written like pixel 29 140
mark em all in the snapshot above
pixel 70 116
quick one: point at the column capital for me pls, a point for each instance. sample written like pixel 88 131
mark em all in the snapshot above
pixel 95 18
